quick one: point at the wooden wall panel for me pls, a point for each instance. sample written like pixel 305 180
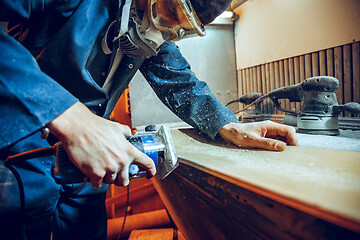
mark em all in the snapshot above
pixel 254 80
pixel 267 85
pixel 297 78
pixel 263 81
pixel 272 77
pixel 277 81
pixel 315 64
pixel 240 85
pixel 356 71
pixel 282 81
pixel 258 78
pixel 330 61
pixel 276 75
pixel 287 79
pixel 272 85
pixel 245 89
pixel 347 85
pixel 248 85
pixel 342 62
pixel 322 63
pixel 243 84
pixel 292 79
pixel 251 85
pixel 338 62
pixel 347 73
pixel 240 81
pixel 308 72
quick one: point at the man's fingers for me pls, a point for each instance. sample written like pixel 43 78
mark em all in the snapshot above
pixel 146 163
pixel 95 175
pixel 270 144
pixel 125 130
pixel 289 133
pixel 110 177
pixel 136 157
pixel 277 145
pixel 123 177
pixel 256 141
pixel 96 181
pixel 283 132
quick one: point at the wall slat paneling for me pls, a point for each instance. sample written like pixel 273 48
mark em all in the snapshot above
pixel 254 80
pixel 247 75
pixel 258 78
pixel 297 70
pixel 338 61
pixel 315 64
pixel 292 79
pixel 322 63
pixel 330 62
pixel 342 62
pixel 263 78
pixel 308 71
pixel 347 74
pixel 356 71
pixel 282 80
pixel 347 87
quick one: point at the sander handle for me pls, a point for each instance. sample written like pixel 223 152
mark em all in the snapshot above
pixel 288 92
pixel 352 107
pixel 246 99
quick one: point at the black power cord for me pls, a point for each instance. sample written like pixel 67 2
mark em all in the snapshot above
pixel 126 206
pixel 22 196
pixel 9 163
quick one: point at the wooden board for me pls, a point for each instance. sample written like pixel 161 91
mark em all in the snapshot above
pixel 322 182
pixel 153 234
pixel 156 234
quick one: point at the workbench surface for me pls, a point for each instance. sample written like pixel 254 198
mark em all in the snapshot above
pixel 322 182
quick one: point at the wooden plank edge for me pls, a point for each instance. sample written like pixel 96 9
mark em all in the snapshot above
pixel 313 210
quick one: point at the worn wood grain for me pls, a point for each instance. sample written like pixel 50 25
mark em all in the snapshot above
pixel 220 191
pixel 324 180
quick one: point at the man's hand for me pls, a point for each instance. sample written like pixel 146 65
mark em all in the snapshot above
pixel 266 135
pixel 98 147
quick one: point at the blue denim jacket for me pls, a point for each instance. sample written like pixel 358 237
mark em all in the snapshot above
pixel 57 60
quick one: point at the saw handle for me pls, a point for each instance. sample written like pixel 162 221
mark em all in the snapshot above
pixel 351 107
pixel 65 172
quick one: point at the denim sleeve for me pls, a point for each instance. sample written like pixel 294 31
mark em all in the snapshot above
pixel 29 99
pixel 170 75
pixel 21 10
